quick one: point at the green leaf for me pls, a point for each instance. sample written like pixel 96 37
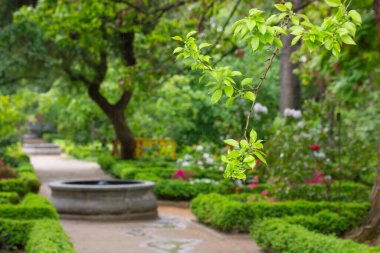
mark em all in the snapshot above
pixel 246 81
pixel 348 40
pixel 255 42
pixel 250 96
pixel 230 101
pixel 262 29
pixel 333 3
pixel 232 143
pixel 260 157
pixel 253 135
pixel 177 50
pixel 249 159
pixel 240 175
pixel 278 42
pixel 216 96
pixel 177 38
pixel 288 5
pixel 229 90
pixel 296 39
pixel 244 143
pixel 236 73
pixel 203 45
pixel 351 28
pixel 191 34
pixel 355 17
pixel 280 7
pixel 251 24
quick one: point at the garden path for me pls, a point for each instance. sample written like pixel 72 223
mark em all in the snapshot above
pixel 175 231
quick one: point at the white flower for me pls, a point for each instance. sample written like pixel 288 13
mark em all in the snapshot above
pixel 219 29
pixel 319 154
pixel 209 161
pixel 296 114
pixel 199 148
pixel 303 58
pixel 305 135
pixel 212 22
pixel 187 157
pixel 221 168
pixel 206 155
pixel 259 108
pixel 186 164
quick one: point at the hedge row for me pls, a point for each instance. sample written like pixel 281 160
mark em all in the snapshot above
pixel 280 236
pixel 228 215
pixel 25 182
pixel 183 190
pixel 9 198
pixel 47 236
pixel 32 207
pixel 36 236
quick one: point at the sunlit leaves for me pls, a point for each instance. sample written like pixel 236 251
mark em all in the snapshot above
pixel 216 96
pixel 243 157
pixel 333 3
pixel 250 96
pixel 355 17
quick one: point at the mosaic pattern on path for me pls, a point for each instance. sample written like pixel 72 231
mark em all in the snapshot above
pixel 171 245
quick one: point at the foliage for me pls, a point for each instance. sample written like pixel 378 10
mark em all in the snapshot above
pixel 228 215
pixel 182 190
pixel 281 236
pixel 32 207
pixel 14 233
pixel 258 32
pixel 47 236
pixel 9 198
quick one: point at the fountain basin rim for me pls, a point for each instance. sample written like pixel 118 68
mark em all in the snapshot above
pixel 70 185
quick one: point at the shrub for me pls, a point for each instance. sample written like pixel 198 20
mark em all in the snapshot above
pixel 106 161
pixel 32 207
pixel 47 236
pixel 9 198
pixel 281 237
pixel 183 190
pixel 325 222
pixel 14 185
pixel 228 215
pixel 14 233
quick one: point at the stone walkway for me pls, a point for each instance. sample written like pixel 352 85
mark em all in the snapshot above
pixel 175 231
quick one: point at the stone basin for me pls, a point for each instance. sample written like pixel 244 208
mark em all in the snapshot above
pixel 104 199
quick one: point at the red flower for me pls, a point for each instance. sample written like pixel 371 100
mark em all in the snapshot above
pixel 315 147
pixel 264 193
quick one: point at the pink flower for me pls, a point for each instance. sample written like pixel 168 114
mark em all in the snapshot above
pixel 317 179
pixel 179 174
pixel 253 185
pixel 264 193
pixel 256 178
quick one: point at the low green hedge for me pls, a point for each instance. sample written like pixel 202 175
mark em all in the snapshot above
pixel 229 215
pixel 36 236
pixel 32 207
pixel 9 198
pixel 47 236
pixel 184 190
pixel 279 236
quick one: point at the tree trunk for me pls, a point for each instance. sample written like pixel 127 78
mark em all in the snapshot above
pixel 371 228
pixel 290 94
pixel 124 135
pixel 116 114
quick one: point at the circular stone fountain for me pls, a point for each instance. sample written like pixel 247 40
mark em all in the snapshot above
pixel 104 199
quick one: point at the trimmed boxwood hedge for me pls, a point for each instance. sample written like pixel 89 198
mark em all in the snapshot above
pixel 36 236
pixel 279 236
pixel 229 215
pixel 47 236
pixel 9 198
pixel 183 190
pixel 32 207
